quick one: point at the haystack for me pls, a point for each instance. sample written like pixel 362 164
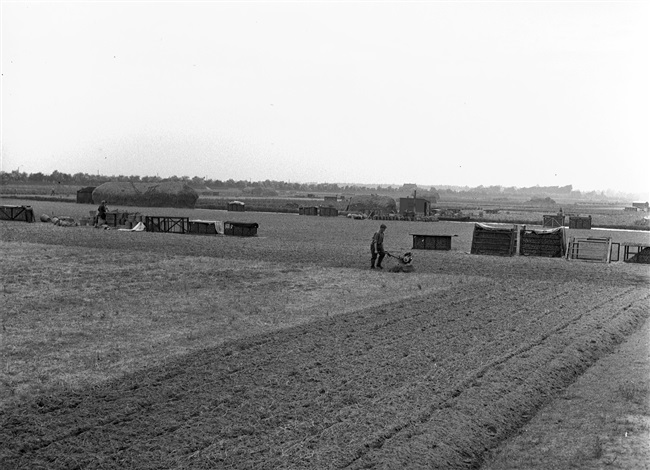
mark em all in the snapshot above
pixel 146 194
pixel 373 202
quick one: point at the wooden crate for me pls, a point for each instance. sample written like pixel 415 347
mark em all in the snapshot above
pixel 308 210
pixel 17 213
pixel 240 229
pixel 547 243
pixel 431 242
pixel 583 223
pixel 499 241
pixel 328 212
pixel 205 227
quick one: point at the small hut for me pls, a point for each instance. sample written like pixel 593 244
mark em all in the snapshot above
pixel 236 206
pixel 85 195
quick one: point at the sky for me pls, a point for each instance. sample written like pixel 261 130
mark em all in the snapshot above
pixel 433 93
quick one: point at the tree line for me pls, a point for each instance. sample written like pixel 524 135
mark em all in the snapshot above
pixel 86 179
pixel 266 186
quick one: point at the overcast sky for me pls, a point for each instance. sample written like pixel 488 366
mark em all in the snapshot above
pixel 433 93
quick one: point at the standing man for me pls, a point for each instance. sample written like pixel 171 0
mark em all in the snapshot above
pixel 377 248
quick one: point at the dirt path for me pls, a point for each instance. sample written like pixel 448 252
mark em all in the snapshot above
pixel 609 406
pixel 430 382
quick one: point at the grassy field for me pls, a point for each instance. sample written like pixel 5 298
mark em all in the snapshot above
pixel 151 350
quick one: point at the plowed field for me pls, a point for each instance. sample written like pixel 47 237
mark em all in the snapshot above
pixel 432 379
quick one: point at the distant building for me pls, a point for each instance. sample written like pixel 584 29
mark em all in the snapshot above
pixel 644 206
pixel 412 205
pixel 85 195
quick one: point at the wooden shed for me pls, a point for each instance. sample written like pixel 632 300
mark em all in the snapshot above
pixel 85 195
pixel 236 206
pixel 580 222
pixel 491 240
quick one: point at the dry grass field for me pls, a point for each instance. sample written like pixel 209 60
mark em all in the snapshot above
pixel 152 350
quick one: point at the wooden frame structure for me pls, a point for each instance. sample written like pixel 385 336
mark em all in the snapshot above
pixel 553 221
pixel 166 224
pixel 589 249
pixel 636 253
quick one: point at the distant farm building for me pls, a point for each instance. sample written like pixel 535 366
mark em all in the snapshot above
pixel 168 194
pixel 236 206
pixel 410 205
pixel 643 206
pixel 331 199
pixel 85 195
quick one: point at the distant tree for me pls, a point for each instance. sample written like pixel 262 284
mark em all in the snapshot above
pixel 36 177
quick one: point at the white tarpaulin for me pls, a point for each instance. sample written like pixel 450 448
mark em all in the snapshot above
pixel 139 227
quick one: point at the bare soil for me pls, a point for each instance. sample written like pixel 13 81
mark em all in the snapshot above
pixel 602 421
